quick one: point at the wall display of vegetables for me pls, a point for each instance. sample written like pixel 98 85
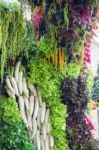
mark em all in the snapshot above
pixel 34 111
pixel 53 48
pixel 12 33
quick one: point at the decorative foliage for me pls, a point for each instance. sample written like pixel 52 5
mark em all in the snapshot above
pixel 13 133
pixel 13 29
pixel 9 111
pixel 48 80
pixel 14 136
pixel 75 96
pixel 33 110
pixel 73 70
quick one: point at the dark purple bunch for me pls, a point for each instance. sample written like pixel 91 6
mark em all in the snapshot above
pixel 75 96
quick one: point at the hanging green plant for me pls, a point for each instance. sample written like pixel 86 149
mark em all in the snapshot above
pixel 13 30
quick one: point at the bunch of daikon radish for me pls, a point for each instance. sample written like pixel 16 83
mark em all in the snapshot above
pixel 34 111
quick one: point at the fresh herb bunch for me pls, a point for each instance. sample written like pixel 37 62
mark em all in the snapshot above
pixel 48 80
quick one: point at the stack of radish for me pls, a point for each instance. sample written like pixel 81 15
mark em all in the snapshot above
pixel 34 111
pixel 87 51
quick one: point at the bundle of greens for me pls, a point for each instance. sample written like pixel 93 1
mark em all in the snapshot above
pixel 75 96
pixel 13 133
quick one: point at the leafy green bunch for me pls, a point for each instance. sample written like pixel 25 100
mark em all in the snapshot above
pixel 45 47
pixel 73 70
pixel 48 80
pixel 9 111
pixel 14 137
pixel 13 133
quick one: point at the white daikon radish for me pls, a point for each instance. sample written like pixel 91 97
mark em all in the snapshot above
pixel 48 127
pixel 39 97
pixel 38 118
pixel 11 94
pixel 47 116
pixel 17 71
pixel 22 110
pixel 51 140
pixel 34 128
pixel 14 84
pixel 8 83
pixel 43 110
pixel 32 89
pixel 38 140
pixel 25 88
pixel 47 143
pixel 36 109
pixel 44 131
pixel 29 119
pixel 26 101
pixel 20 82
pixel 42 142
pixel 31 105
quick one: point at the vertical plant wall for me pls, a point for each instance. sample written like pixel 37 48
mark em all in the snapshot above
pixel 13 132
pixel 63 33
pixel 53 52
